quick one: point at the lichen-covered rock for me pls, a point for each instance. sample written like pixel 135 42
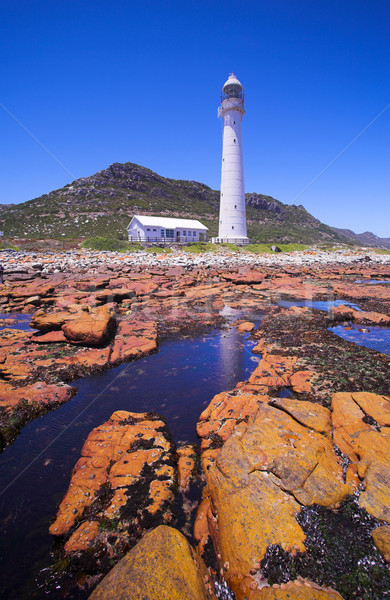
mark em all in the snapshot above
pixel 311 415
pixel 123 482
pixel 381 537
pixel 186 465
pixel 161 566
pixel 218 420
pixel 367 446
pixel 258 480
pixel 295 590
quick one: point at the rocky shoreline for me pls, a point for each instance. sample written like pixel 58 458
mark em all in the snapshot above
pixel 298 448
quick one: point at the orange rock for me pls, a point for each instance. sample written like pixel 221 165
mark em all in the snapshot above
pixel 128 449
pixel 359 316
pixel 377 407
pixel 367 448
pixel 295 590
pixel 300 381
pixel 92 328
pixel 381 537
pixel 265 470
pixel 35 394
pixel 311 415
pixel 218 420
pixel 186 465
pixel 246 326
pixel 161 566
pixel 133 340
pixel 48 321
pixel 83 538
pixel 51 337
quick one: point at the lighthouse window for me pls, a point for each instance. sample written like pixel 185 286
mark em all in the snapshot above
pixel 232 226
pixel 235 206
pixel 234 140
pixel 234 122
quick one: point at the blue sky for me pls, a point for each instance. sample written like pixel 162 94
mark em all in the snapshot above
pixel 98 82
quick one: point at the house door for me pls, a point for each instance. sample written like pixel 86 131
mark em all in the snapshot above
pixel 178 236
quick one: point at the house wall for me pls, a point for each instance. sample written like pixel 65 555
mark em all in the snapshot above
pixel 139 232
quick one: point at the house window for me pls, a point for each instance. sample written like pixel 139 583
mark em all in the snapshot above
pixel 194 233
pixel 184 233
pixel 148 229
pixel 154 229
pixel 169 233
pixel 162 233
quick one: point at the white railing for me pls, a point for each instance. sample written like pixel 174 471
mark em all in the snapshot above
pixel 165 240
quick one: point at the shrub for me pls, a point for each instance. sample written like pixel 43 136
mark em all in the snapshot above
pixel 111 244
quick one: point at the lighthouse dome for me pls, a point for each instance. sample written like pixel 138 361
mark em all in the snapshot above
pixel 232 88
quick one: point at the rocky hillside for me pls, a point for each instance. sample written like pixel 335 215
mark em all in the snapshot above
pixel 365 239
pixel 105 202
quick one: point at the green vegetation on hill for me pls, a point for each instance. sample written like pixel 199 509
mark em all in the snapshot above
pixel 102 205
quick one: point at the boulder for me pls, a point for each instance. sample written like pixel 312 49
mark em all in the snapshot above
pixel 161 566
pixel 258 481
pixel 246 326
pixel 295 590
pixel 45 322
pixel 381 537
pixel 92 328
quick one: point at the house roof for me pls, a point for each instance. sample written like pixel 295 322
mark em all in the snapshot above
pixel 168 222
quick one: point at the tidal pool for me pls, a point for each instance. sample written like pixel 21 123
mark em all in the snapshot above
pixel 317 304
pixel 369 336
pixel 178 382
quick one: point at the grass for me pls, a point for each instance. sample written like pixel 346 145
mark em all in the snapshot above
pixel 5 246
pixel 266 248
pixel 158 250
pixel 378 251
pixel 198 248
pixel 110 244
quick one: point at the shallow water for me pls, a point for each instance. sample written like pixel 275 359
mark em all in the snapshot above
pixel 317 304
pixel 177 382
pixel 373 281
pixel 23 321
pixel 376 338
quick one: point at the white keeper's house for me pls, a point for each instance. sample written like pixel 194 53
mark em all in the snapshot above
pixel 165 229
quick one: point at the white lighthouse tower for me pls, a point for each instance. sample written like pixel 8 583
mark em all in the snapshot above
pixel 232 214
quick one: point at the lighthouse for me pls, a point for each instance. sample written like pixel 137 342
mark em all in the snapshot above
pixel 232 214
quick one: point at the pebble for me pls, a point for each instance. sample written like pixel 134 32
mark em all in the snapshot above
pixel 50 262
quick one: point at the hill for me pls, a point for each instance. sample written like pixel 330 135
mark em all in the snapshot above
pixel 365 239
pixel 104 203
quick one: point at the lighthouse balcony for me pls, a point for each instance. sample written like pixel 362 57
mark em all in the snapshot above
pixel 237 241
